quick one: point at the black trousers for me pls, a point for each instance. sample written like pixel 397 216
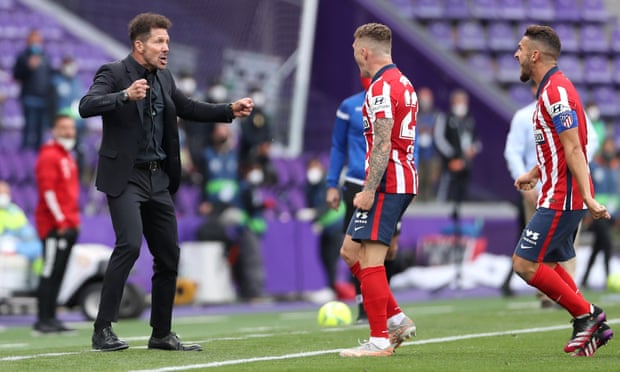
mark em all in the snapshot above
pixel 144 208
pixel 56 251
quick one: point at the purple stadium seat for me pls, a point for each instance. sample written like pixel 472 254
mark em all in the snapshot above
pixel 520 94
pixel 282 170
pixel 567 10
pixel 428 9
pixel 508 70
pixel 617 70
pixel 296 200
pixel 594 38
pixel 483 63
pixel 483 9
pixel 540 10
pixel 513 10
pixel 568 35
pixel 470 36
pixel 594 11
pixel 606 98
pixel 597 69
pixel 406 8
pixel 456 10
pixel 615 39
pixel 501 36
pixel 442 33
pixel 572 67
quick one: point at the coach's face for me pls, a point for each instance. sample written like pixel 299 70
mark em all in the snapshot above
pixel 153 51
pixel 524 56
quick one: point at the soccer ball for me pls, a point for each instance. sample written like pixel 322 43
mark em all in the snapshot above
pixel 613 282
pixel 333 314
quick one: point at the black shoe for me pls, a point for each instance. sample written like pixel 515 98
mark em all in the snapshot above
pixel 171 342
pixel 106 340
pixel 362 318
pixel 52 326
pixel 61 327
pixel 584 328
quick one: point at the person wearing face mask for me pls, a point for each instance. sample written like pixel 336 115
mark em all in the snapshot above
pixel 57 218
pixel 605 177
pixel 68 90
pixel 427 160
pixel 326 222
pixel 17 235
pixel 593 114
pixel 256 137
pixel 33 70
pixel 456 141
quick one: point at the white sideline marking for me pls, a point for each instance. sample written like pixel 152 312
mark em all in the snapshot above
pixel 321 352
pixel 290 356
pixel 12 346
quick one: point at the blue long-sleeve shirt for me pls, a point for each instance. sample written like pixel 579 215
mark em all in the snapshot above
pixel 348 142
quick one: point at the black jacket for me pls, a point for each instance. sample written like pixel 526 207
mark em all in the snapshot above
pixel 122 129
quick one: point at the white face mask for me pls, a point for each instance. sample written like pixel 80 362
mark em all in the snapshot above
pixel 459 110
pixel 5 201
pixel 69 69
pixel 187 86
pixel 259 99
pixel 255 176
pixel 67 143
pixel 314 175
pixel 594 113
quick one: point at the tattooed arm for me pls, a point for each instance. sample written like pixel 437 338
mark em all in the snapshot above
pixel 377 163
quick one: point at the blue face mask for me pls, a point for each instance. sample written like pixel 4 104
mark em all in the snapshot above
pixel 36 49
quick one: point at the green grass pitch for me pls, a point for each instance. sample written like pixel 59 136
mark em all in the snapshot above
pixel 473 334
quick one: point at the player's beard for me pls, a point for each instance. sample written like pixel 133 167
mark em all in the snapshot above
pixel 526 72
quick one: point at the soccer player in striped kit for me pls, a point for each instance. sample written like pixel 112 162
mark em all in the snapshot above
pixel 57 218
pixel 389 112
pixel 566 194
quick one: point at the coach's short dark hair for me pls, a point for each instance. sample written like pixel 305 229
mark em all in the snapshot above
pixel 547 36
pixel 140 27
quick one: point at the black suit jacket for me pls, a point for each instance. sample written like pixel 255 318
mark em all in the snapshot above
pixel 122 123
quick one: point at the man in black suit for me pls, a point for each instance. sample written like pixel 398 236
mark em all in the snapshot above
pixel 139 169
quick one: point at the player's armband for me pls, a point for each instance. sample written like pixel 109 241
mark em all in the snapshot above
pixel 565 120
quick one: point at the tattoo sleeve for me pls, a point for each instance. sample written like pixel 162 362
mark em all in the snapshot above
pixel 380 153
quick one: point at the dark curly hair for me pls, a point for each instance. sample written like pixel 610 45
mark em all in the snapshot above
pixel 140 27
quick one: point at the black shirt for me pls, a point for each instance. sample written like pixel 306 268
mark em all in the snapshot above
pixel 150 147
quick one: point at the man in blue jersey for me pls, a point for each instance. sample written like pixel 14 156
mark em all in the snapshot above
pixel 349 149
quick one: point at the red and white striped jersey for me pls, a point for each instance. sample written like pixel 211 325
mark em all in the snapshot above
pixel 558 109
pixel 391 95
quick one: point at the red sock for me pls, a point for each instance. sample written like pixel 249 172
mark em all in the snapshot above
pixel 567 278
pixel 392 305
pixel 356 269
pixel 375 290
pixel 549 282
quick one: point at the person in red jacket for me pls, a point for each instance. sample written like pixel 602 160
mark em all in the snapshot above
pixel 57 218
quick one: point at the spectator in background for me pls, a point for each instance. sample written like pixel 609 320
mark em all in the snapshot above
pixel 57 218
pixel 256 137
pixel 327 223
pixel 248 268
pixel 605 177
pixel 232 210
pixel 68 91
pixel 193 135
pixel 16 233
pixel 427 161
pixel 33 70
pixel 456 142
pixel 593 113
